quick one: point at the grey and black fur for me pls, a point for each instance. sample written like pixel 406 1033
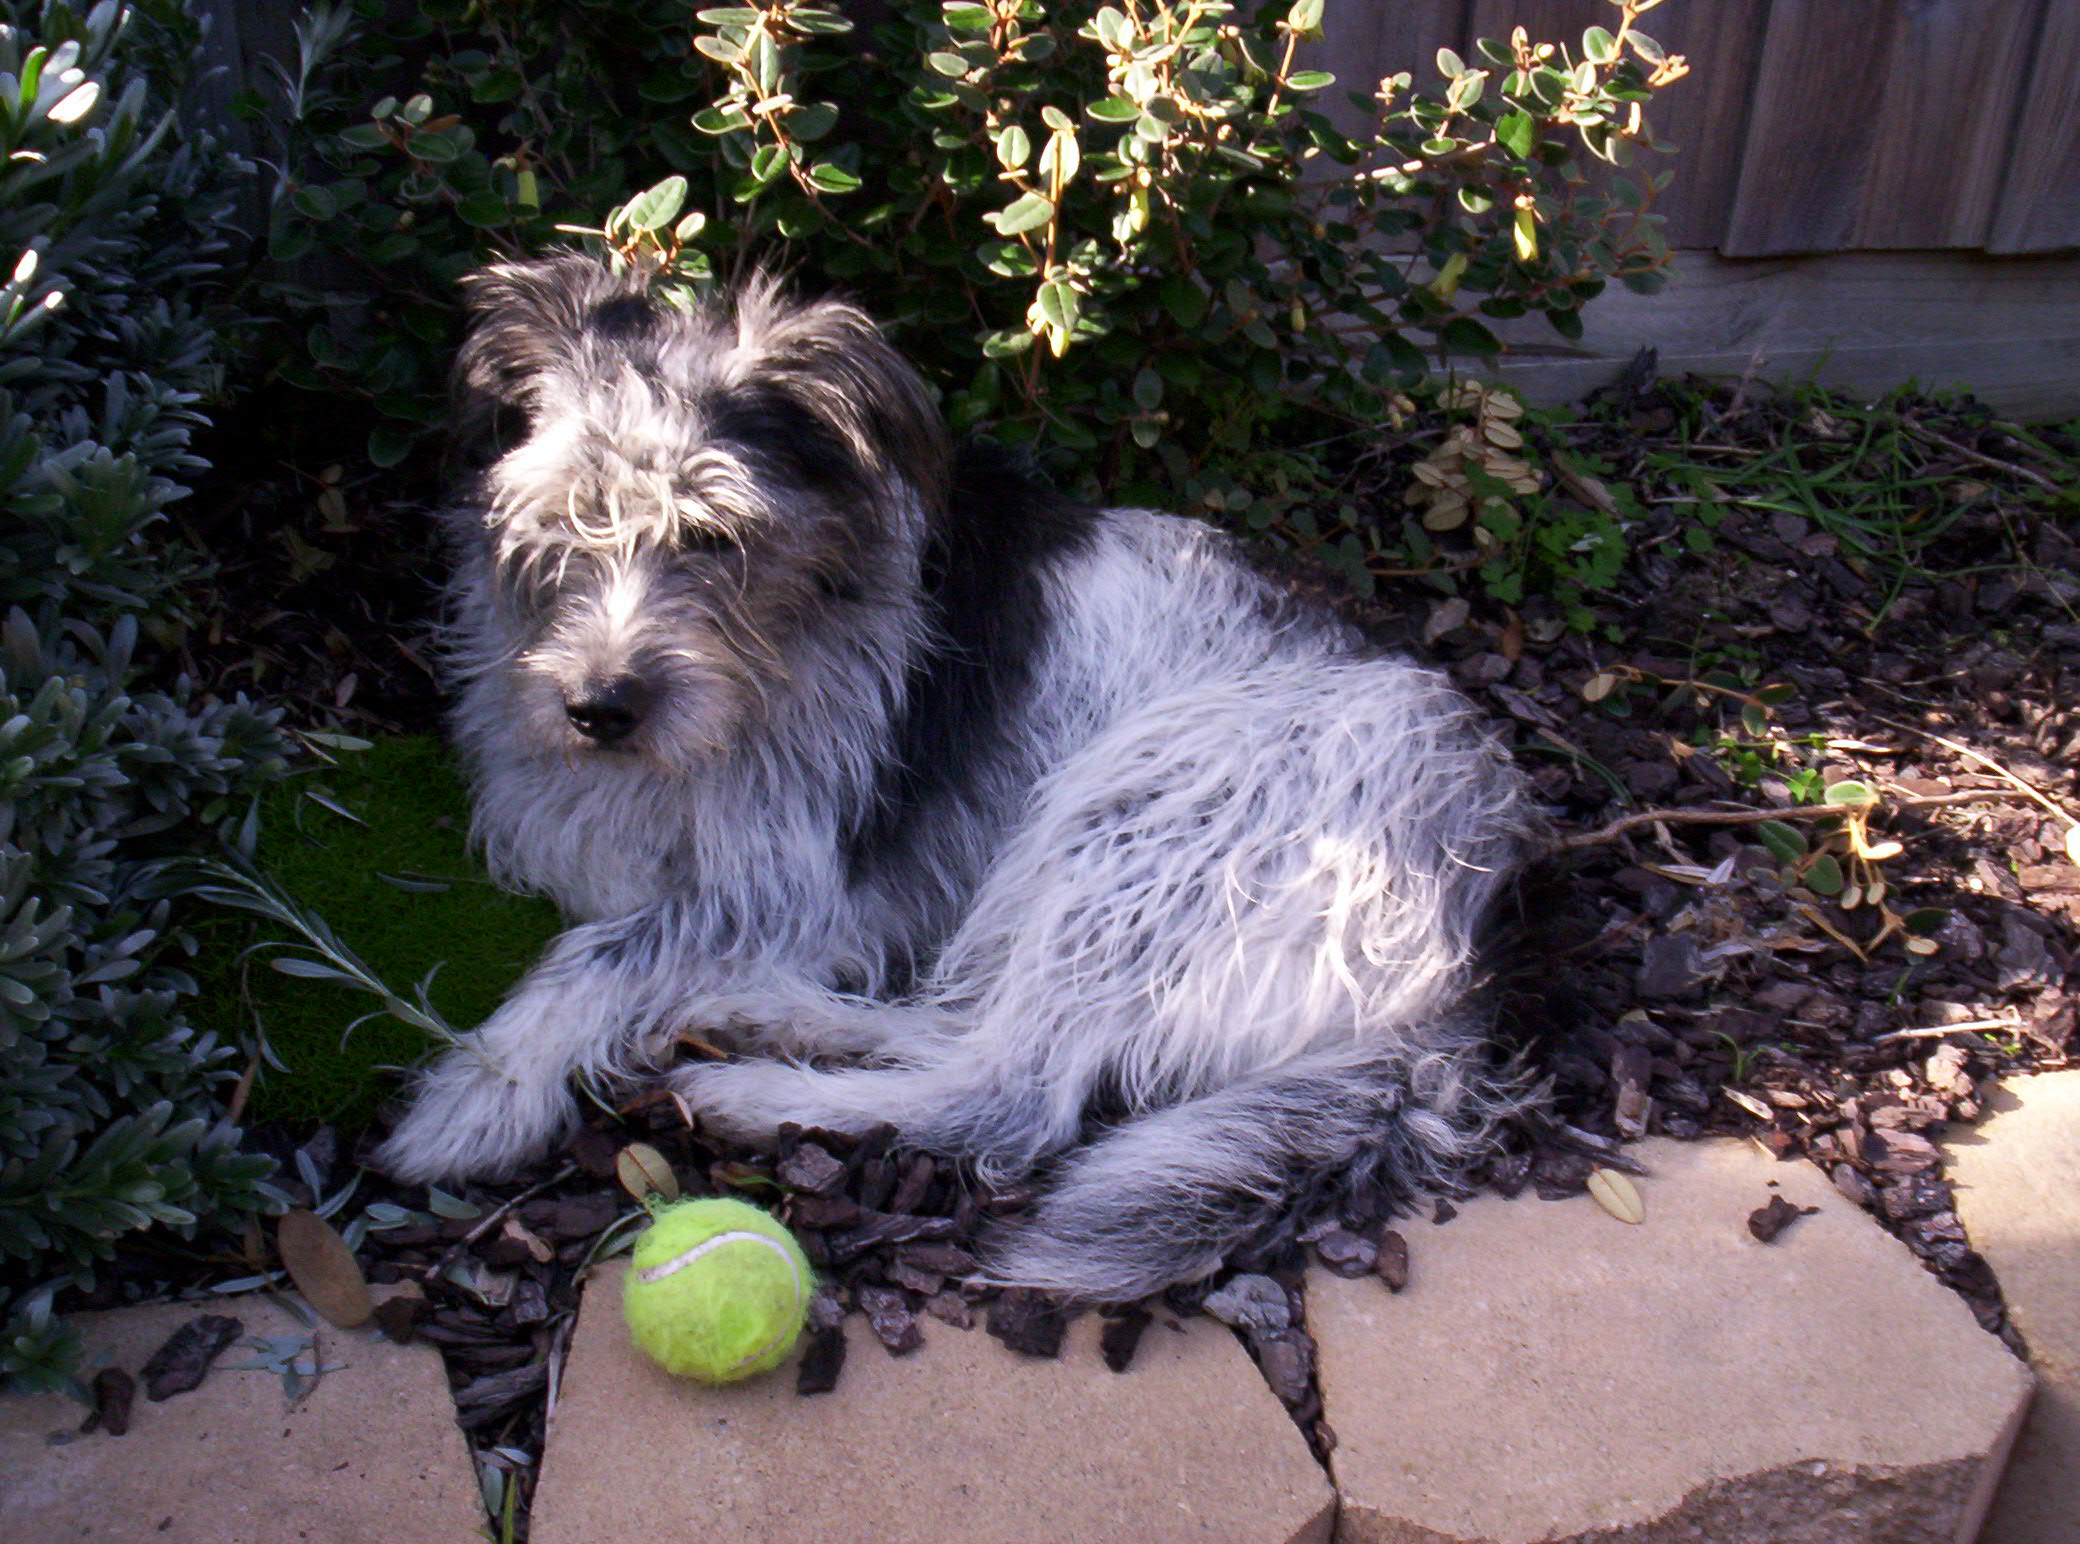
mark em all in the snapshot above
pixel 1053 836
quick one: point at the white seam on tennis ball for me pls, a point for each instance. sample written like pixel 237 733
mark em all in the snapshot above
pixel 679 1262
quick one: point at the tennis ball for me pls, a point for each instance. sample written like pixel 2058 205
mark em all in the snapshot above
pixel 717 1290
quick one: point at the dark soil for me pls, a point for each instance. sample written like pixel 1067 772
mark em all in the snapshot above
pixel 1694 972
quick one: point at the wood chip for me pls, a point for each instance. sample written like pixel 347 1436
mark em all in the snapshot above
pixel 1631 1072
pixel 915 1184
pixel 946 1259
pixel 1392 1263
pixel 1766 1222
pixel 1346 1254
pixel 878 1228
pixel 812 1170
pixel 486 1400
pixel 114 1390
pixel 1287 1362
pixel 181 1363
pixel 889 1317
pixel 1030 1323
pixel 823 1361
pixel 398 1317
pixel 1750 1103
pixel 1120 1337
pixel 951 1308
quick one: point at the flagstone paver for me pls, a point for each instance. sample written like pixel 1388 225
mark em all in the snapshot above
pixel 1554 1374
pixel 371 1455
pixel 2017 1177
pixel 960 1440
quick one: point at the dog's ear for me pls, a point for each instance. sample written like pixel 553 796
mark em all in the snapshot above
pixel 527 318
pixel 833 362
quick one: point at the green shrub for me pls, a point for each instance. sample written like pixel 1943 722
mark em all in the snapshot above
pixel 495 123
pixel 1122 236
pixel 112 774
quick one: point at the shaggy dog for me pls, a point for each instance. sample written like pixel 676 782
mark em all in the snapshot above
pixel 1054 836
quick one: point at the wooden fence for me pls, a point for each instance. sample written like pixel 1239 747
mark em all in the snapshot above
pixel 1820 125
pixel 1865 190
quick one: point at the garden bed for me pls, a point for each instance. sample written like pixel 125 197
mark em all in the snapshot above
pixel 1817 595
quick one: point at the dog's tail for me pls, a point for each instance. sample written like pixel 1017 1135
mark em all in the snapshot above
pixel 1170 1196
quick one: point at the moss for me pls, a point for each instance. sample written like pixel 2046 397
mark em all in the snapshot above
pixel 400 888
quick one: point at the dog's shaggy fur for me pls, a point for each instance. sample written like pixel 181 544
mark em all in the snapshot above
pixel 1053 836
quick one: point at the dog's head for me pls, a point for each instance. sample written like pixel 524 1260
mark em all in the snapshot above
pixel 685 507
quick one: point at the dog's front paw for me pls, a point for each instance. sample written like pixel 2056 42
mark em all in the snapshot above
pixel 715 1094
pixel 469 1120
pixel 748 1101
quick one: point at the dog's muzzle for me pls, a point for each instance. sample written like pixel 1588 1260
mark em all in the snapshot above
pixel 608 712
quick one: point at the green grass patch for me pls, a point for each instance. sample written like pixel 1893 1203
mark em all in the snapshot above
pixel 376 845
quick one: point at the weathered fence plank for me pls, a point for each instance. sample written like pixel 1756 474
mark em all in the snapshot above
pixel 1702 115
pixel 1812 129
pixel 2039 207
pixel 1946 129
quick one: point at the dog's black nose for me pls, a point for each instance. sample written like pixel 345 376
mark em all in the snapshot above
pixel 608 711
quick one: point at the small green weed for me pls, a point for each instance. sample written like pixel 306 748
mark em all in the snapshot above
pixel 1873 476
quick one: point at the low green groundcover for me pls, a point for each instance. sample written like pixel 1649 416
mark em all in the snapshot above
pixel 400 888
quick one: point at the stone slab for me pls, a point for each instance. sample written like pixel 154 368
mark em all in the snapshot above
pixel 960 1440
pixel 2017 1178
pixel 1554 1374
pixel 371 1455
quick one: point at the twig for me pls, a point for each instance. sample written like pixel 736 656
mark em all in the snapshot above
pixel 1693 817
pixel 1688 817
pixel 1925 801
pixel 559 1351
pixel 1921 432
pixel 1984 760
pixel 497 1216
pixel 1937 1031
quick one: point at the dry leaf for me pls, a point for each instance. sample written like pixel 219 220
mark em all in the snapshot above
pixel 1617 1195
pixel 643 1173
pixel 1447 514
pixel 323 1268
pixel 1588 490
pixel 1599 686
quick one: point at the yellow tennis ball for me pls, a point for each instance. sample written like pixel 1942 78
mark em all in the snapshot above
pixel 716 1290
